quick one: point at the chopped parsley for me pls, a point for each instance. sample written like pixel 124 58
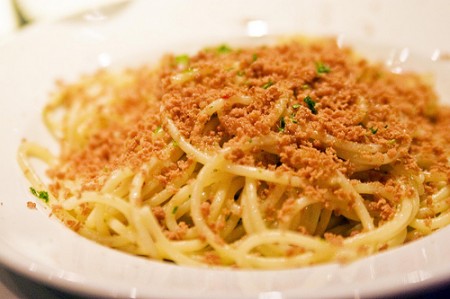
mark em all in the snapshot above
pixel 322 68
pixel 254 57
pixel 292 117
pixel 157 130
pixel 306 86
pixel 43 195
pixel 223 49
pixel 311 104
pixel 296 106
pixel 182 59
pixel 373 130
pixel 268 84
pixel 282 125
pixel 189 71
pixel 175 209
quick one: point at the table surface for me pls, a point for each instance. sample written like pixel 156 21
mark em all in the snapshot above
pixel 14 286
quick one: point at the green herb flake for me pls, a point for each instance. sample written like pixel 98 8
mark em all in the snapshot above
pixel 43 195
pixel 292 117
pixel 311 104
pixel 182 59
pixel 306 86
pixel 189 70
pixel 322 68
pixel 223 49
pixel 268 84
pixel 174 210
pixel 282 125
pixel 373 130
pixel 157 130
pixel 254 57
pixel 392 141
pixel 296 106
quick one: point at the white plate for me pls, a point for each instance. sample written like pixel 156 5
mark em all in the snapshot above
pixel 41 248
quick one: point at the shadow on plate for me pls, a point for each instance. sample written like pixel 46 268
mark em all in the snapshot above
pixel 15 286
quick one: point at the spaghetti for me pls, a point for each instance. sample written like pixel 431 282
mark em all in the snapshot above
pixel 267 157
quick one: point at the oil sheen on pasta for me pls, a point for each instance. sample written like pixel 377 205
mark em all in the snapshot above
pixel 278 156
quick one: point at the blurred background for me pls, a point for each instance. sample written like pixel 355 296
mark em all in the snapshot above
pixel 9 20
pixel 15 14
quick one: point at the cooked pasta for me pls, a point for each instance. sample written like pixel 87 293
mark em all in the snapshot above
pixel 274 156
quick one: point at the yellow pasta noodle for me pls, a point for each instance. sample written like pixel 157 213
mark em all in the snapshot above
pixel 267 157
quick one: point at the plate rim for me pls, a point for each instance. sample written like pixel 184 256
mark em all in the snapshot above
pixel 65 285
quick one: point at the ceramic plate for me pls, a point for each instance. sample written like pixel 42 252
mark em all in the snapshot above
pixel 131 33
